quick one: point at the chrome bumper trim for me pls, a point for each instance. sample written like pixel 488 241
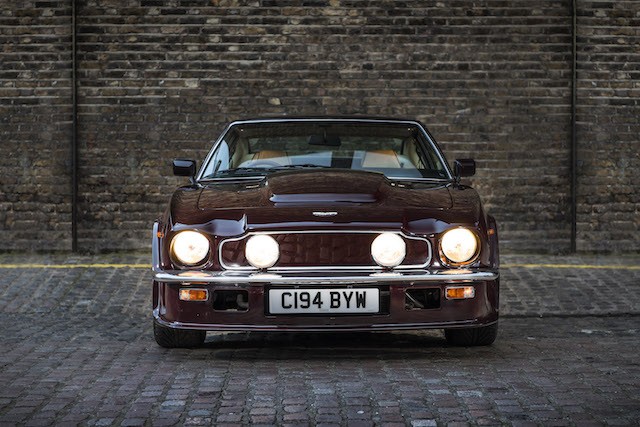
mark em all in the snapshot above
pixel 225 327
pixel 299 278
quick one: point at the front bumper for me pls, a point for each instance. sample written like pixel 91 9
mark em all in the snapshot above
pixel 170 311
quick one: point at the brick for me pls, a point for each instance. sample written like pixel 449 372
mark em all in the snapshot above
pixel 159 80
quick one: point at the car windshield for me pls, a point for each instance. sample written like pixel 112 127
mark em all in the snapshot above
pixel 256 149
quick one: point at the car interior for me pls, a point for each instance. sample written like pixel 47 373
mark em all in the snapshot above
pixel 395 156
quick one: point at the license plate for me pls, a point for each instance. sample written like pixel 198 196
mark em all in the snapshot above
pixel 324 301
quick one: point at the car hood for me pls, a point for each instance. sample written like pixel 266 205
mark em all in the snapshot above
pixel 323 189
pixel 308 199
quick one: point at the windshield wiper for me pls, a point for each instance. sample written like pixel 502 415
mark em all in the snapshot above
pixel 236 171
pixel 249 171
pixel 304 165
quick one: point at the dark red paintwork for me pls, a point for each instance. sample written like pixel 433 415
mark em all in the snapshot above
pixel 364 201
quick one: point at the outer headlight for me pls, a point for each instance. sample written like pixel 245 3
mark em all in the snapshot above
pixel 388 250
pixel 262 251
pixel 190 247
pixel 458 246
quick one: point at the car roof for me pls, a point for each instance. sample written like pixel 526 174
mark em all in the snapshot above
pixel 346 119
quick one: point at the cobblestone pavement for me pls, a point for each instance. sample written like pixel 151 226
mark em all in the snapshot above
pixel 77 348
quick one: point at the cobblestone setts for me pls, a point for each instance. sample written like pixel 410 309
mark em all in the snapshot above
pixel 77 348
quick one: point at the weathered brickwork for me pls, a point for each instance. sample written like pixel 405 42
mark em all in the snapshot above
pixel 609 125
pixel 35 125
pixel 159 79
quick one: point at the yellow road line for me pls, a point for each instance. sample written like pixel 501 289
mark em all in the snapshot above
pixel 148 266
pixel 68 266
pixel 575 266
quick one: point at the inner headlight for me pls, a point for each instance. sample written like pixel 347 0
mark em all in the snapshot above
pixel 262 251
pixel 388 250
pixel 459 246
pixel 190 247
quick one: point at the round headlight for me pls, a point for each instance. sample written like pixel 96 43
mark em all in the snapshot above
pixel 262 251
pixel 190 247
pixel 388 250
pixel 459 246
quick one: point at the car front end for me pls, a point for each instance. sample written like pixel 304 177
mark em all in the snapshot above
pixel 323 247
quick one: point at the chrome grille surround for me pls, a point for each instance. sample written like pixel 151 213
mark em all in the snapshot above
pixel 369 267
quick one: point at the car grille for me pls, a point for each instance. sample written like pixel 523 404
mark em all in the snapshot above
pixel 324 249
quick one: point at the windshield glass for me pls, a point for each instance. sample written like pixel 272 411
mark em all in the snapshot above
pixel 256 149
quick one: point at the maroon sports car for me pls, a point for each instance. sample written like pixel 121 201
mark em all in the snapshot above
pixel 331 224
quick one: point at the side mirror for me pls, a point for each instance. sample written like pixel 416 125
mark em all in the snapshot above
pixel 184 167
pixel 464 167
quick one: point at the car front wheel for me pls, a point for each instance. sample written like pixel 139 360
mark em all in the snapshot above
pixel 177 338
pixel 469 337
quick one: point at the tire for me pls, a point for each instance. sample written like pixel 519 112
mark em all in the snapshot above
pixel 177 338
pixel 471 337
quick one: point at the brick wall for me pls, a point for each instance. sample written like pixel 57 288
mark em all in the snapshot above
pixel 159 79
pixel 609 126
pixel 35 125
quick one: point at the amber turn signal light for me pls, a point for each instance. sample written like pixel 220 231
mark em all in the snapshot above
pixel 460 292
pixel 194 294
